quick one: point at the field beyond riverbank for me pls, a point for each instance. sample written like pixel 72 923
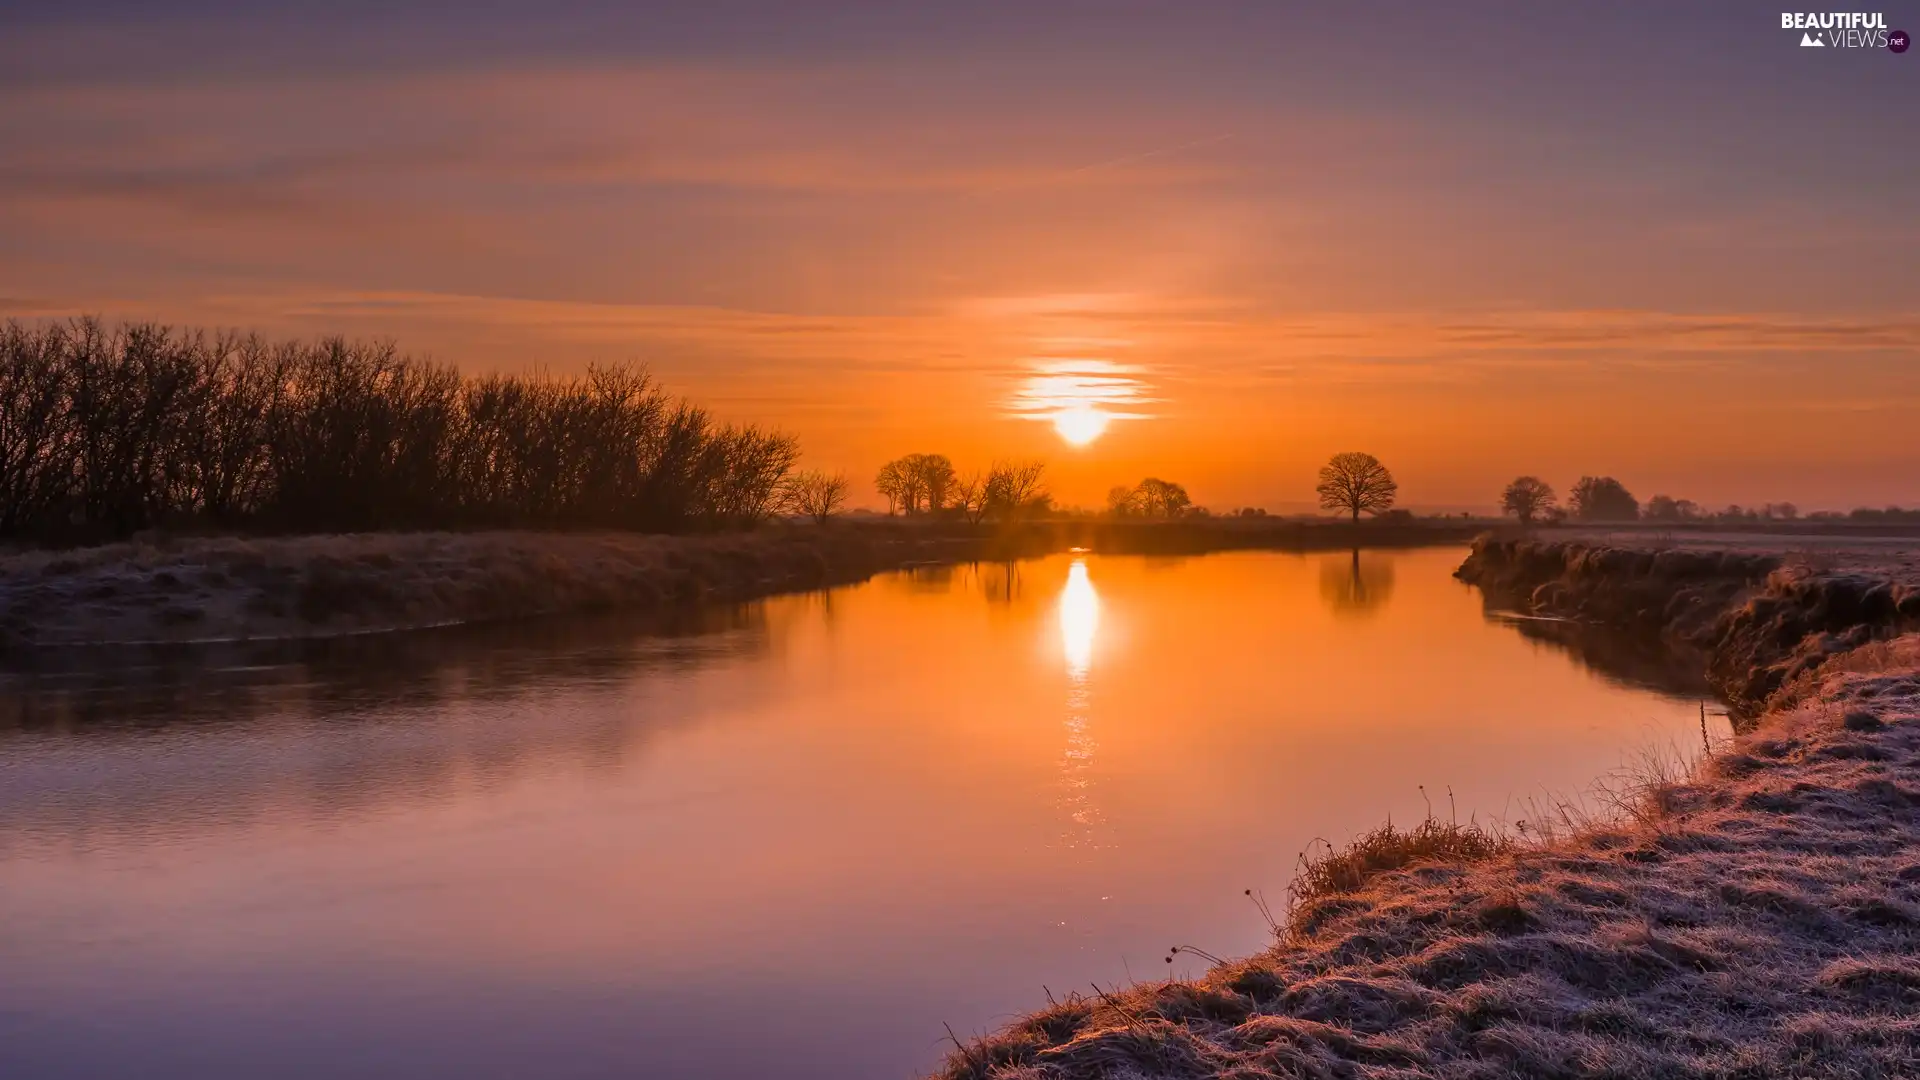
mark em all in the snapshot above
pixel 228 588
pixel 1756 917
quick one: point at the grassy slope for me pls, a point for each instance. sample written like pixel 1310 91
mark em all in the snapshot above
pixel 1759 918
pixel 232 588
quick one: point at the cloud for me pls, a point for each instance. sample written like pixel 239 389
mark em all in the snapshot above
pixel 1123 352
pixel 797 131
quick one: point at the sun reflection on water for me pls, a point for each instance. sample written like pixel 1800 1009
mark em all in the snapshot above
pixel 1079 625
pixel 1079 619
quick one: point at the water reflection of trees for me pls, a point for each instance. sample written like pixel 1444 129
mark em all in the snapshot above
pixel 223 734
pixel 1000 582
pixel 166 685
pixel 1356 584
pixel 932 578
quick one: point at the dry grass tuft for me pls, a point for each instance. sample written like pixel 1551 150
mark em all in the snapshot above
pixel 1389 848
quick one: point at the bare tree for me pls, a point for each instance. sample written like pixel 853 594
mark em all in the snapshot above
pixel 818 495
pixel 934 479
pixel 1014 488
pixel 891 483
pixel 970 496
pixel 1356 482
pixel 1152 497
pixel 1526 498
pixel 1163 498
pixel 106 431
pixel 917 483
pixel 36 473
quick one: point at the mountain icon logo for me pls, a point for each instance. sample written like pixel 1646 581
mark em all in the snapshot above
pixel 1808 41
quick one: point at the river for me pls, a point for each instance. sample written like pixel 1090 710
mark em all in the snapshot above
pixel 796 837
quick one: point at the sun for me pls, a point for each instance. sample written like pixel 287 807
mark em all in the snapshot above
pixel 1080 424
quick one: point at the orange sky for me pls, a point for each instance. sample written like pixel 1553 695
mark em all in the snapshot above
pixel 1477 247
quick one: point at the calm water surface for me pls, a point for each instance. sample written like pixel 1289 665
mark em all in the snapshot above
pixel 792 838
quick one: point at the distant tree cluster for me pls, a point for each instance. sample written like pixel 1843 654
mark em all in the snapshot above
pixel 1603 498
pixel 105 431
pixel 927 484
pixel 1150 498
pixel 1871 515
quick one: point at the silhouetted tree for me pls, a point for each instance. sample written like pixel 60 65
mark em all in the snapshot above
pixel 105 431
pixel 1152 497
pixel 970 496
pixel 1014 489
pixel 1667 508
pixel 1356 483
pixel 1526 498
pixel 891 483
pixel 816 494
pixel 917 483
pixel 934 477
pixel 1602 498
pixel 1163 498
pixel 35 447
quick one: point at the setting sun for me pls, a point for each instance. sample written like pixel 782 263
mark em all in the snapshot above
pixel 1081 424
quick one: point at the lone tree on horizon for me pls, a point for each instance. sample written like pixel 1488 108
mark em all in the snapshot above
pixel 1356 482
pixel 1527 498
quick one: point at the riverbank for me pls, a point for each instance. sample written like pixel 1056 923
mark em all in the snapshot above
pixel 240 589
pixel 1757 917
pixel 1761 617
pixel 163 590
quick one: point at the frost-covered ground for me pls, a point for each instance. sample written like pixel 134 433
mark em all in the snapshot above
pixel 1897 557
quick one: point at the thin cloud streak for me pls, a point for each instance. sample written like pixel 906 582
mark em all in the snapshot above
pixel 1175 332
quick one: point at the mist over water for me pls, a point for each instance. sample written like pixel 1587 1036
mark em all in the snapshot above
pixel 789 838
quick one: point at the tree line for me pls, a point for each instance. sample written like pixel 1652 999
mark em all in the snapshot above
pixel 106 431
pixel 928 484
pixel 1603 499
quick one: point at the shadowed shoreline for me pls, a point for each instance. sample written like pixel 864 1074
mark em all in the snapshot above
pixel 194 589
